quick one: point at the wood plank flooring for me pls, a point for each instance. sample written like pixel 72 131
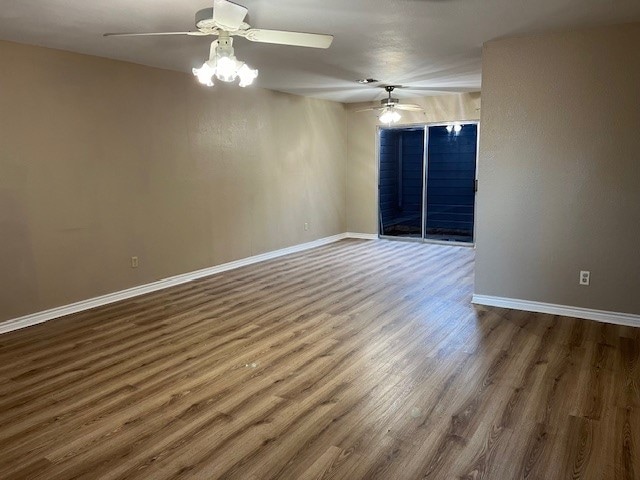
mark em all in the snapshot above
pixel 357 360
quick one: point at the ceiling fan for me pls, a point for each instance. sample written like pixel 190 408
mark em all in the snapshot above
pixel 225 20
pixel 390 106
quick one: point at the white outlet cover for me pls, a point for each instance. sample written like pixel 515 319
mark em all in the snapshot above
pixel 585 277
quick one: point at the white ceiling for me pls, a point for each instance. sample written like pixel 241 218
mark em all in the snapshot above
pixel 433 46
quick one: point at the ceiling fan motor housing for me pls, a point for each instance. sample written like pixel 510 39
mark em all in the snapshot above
pixel 204 19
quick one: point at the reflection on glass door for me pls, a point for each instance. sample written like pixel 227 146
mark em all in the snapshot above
pixel 451 182
pixel 427 182
pixel 401 181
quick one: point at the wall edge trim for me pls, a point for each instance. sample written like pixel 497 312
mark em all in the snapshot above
pixel 616 318
pixel 76 307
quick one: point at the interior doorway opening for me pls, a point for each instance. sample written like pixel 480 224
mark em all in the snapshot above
pixel 427 182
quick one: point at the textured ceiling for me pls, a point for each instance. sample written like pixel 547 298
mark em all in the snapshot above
pixel 433 46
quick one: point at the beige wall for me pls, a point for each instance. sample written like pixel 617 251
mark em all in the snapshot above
pixel 559 176
pixel 362 165
pixel 102 160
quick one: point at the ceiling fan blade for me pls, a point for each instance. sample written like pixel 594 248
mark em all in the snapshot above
pixel 298 39
pixel 370 109
pixel 408 107
pixel 149 34
pixel 228 15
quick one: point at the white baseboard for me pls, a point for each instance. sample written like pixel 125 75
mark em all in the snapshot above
pixel 362 236
pixel 616 318
pixel 44 316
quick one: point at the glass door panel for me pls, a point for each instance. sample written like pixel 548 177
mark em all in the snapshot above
pixel 450 180
pixel 401 181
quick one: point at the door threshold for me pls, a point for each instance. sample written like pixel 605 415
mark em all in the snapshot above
pixel 452 243
pixel 428 240
pixel 401 239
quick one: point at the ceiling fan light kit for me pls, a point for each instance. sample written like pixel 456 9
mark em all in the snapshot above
pixel 390 106
pixel 224 65
pixel 389 116
pixel 224 20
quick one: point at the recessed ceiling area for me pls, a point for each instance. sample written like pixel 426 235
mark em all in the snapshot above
pixel 429 46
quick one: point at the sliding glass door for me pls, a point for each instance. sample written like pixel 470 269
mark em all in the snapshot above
pixel 451 180
pixel 401 184
pixel 427 182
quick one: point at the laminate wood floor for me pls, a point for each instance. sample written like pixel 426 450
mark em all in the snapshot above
pixel 357 360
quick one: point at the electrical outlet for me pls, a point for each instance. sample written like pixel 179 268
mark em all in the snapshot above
pixel 134 262
pixel 306 226
pixel 585 277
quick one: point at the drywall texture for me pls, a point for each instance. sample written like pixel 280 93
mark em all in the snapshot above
pixel 362 164
pixel 559 169
pixel 103 160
